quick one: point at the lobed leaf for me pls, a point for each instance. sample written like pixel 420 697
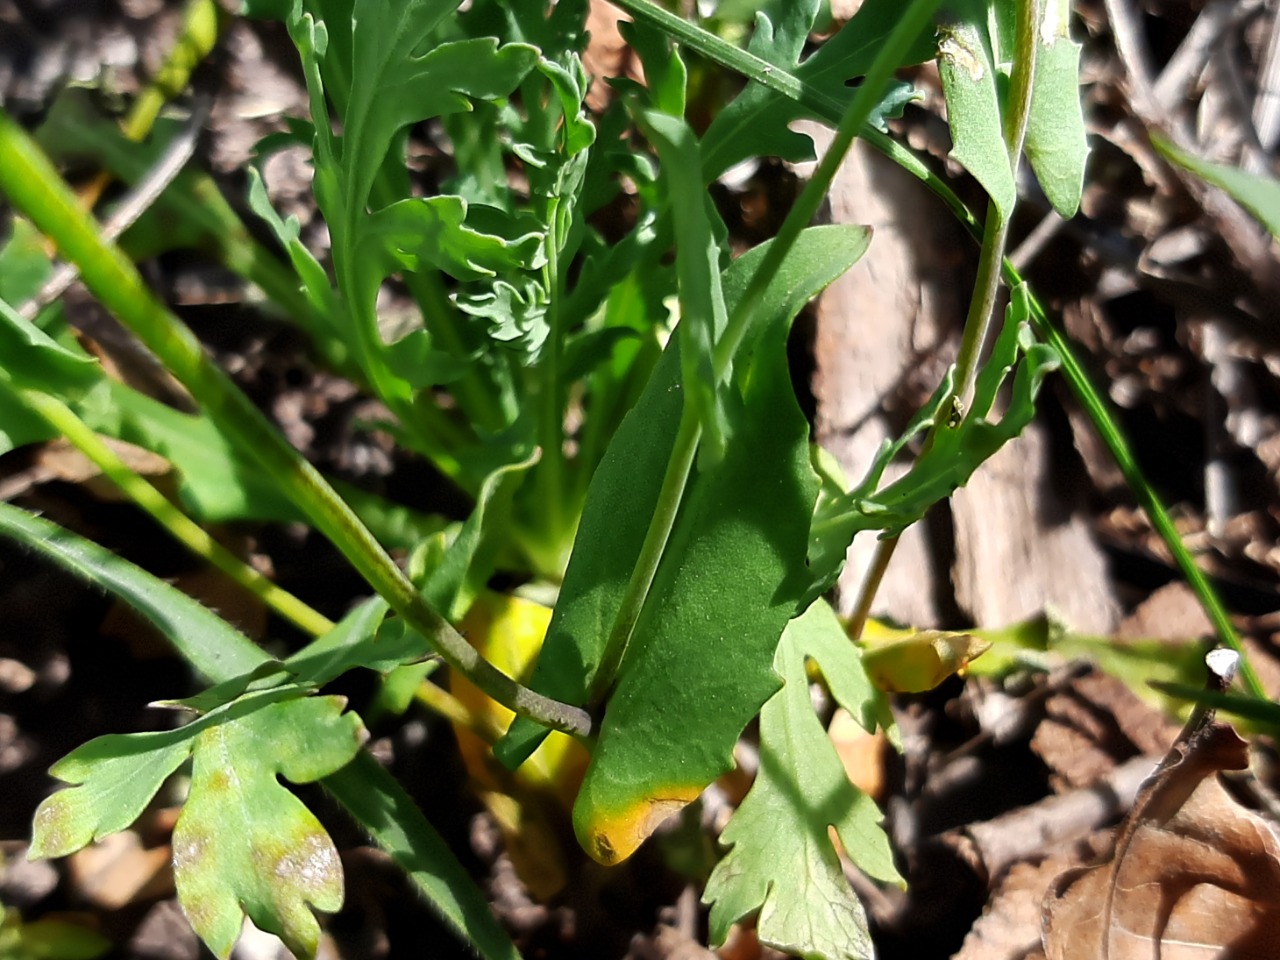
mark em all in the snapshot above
pixel 243 844
pixel 431 232
pixel 757 122
pixel 367 791
pixel 246 846
pixel 391 86
pixel 782 861
pixel 114 779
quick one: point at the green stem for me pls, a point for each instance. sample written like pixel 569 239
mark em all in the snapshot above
pixel 35 189
pixel 689 434
pixel 201 22
pixel 780 81
pixel 910 25
pixel 982 306
pixel 550 476
pixel 741 61
pixel 674 480
pixel 986 287
pixel 179 525
pixel 1099 411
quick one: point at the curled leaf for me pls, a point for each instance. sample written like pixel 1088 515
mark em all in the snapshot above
pixel 913 661
pixel 1194 873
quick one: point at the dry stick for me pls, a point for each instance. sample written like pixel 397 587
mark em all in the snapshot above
pixel 138 201
pixel 1034 243
pixel 1266 108
pixel 1189 60
pixel 992 846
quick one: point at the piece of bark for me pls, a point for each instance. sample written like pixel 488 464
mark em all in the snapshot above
pixel 1020 547
pixel 885 332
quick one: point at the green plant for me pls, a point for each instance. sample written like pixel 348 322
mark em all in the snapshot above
pixel 688 511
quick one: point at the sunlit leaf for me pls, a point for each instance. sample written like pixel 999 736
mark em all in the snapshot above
pixel 757 122
pixel 625 487
pixel 974 111
pixel 1258 194
pixel 244 845
pixel 782 862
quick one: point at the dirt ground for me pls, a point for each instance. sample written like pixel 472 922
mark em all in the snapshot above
pixel 1171 294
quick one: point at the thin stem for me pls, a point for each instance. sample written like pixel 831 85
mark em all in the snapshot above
pixel 986 289
pixel 982 306
pixel 734 58
pixel 35 189
pixel 202 21
pixel 179 525
pixel 674 480
pixel 871 586
pixel 550 470
pixel 912 22
pixel 689 434
pixel 1096 406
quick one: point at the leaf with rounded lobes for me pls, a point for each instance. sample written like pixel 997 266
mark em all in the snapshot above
pixel 392 88
pixel 421 233
pixel 368 792
pixel 782 860
pixel 1194 873
pixel 246 846
pixel 624 491
pixel 115 776
pixel 114 779
pixel 757 122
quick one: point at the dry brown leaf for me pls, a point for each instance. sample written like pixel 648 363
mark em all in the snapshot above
pixel 1194 874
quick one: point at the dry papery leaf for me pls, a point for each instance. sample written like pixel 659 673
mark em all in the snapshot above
pixel 1194 874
